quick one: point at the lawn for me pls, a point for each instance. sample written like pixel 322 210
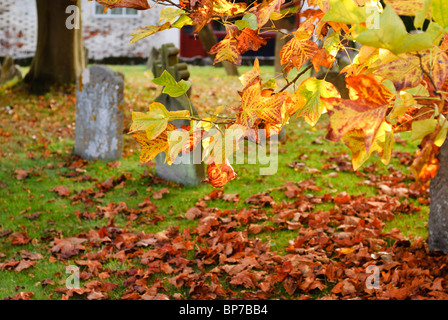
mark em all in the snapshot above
pixel 135 236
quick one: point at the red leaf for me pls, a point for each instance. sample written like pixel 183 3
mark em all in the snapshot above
pixel 62 191
pixel 20 238
pixel 218 176
pixel 159 194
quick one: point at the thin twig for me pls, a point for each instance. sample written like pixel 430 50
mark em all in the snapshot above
pixel 296 78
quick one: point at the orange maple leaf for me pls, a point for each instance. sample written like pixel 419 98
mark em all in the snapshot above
pixel 219 175
pixel 249 40
pixel 322 59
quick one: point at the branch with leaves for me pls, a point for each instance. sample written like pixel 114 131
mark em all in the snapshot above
pixel 397 82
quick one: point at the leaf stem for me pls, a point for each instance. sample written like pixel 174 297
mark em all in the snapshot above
pixel 296 78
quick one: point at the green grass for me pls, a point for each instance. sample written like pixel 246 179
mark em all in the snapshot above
pixel 41 140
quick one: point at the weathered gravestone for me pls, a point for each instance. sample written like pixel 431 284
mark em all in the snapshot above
pixel 99 115
pixel 9 70
pixel 187 169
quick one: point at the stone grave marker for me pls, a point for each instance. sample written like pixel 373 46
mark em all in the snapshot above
pixel 9 70
pixel 189 170
pixel 99 114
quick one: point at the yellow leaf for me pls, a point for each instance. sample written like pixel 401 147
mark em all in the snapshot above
pixel 392 35
pixel 251 76
pixel 144 32
pixel 297 51
pixel 255 106
pixel 152 147
pixel 346 250
pixel 264 11
pixel 223 7
pixel 345 11
pixel 382 143
pixel 402 104
pixel 226 50
pixel 440 12
pixel 421 128
pixel 312 90
pixel 156 120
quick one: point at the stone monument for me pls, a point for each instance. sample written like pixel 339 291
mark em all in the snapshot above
pixel 189 170
pixel 9 70
pixel 99 114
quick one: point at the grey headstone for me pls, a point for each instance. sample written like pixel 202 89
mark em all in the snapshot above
pixel 9 70
pixel 99 115
pixel 190 171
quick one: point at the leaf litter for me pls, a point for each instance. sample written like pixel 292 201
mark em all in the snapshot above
pixel 223 257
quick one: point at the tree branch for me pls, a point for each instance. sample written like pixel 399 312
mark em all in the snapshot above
pixel 296 78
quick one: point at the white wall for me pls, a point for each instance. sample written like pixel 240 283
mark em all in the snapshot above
pixel 18 28
pixel 103 36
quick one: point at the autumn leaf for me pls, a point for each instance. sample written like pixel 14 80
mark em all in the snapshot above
pixel 24 264
pixel 345 11
pixel 68 247
pixel 265 9
pixel 297 51
pixel 392 35
pixel 152 147
pixel 203 15
pixel 366 111
pixel 322 59
pixel 19 238
pixel 426 164
pixel 440 12
pixel 147 31
pixel 21 174
pixel 62 191
pixel 249 40
pixel 159 194
pixel 225 8
pixel 255 106
pixel 170 14
pixel 251 77
pixel 405 7
pixel 312 90
pixel 248 21
pixel 432 61
pixel 219 175
pixel 154 122
pixel 226 50
pixel 382 143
